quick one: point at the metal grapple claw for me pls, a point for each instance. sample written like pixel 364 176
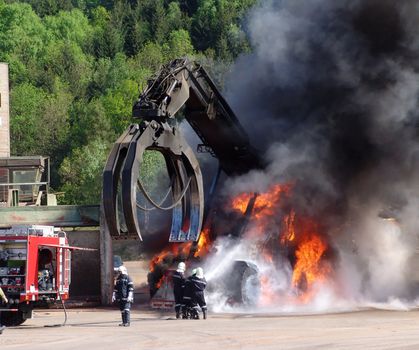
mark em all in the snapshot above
pixel 121 174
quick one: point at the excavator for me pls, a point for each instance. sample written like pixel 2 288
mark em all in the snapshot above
pixel 181 87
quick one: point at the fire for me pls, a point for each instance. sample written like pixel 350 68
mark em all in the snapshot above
pixel 310 268
pixel 183 250
pixel 265 203
pixel 297 236
pixel 203 243
pixel 174 253
pixel 174 250
pixel 289 229
pixel 279 233
pixel 159 283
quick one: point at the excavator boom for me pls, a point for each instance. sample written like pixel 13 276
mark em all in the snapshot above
pixel 185 83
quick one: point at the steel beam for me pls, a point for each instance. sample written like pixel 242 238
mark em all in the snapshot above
pixel 60 215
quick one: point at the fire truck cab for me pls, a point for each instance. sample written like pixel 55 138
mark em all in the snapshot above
pixel 35 263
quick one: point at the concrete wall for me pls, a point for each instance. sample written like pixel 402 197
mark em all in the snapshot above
pixel 4 111
pixel 85 265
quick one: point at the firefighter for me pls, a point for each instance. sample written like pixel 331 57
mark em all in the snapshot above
pixel 199 283
pixel 178 279
pixel 187 296
pixel 194 295
pixel 124 294
pixel 4 298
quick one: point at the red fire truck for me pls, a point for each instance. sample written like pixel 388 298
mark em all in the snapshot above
pixel 35 269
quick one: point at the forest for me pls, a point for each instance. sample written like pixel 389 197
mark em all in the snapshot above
pixel 77 66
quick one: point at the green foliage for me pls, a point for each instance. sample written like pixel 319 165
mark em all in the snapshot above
pixel 215 25
pixel 66 60
pixel 22 40
pixel 70 26
pixel 118 104
pixel 26 106
pixel 81 173
pixel 76 67
pixel 179 44
pixel 88 122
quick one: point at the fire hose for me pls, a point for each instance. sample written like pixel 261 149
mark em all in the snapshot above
pixel 65 314
pixel 158 206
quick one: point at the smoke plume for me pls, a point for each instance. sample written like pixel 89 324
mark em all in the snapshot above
pixel 330 95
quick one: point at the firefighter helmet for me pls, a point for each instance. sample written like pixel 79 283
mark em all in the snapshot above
pixel 181 267
pixel 122 270
pixel 199 272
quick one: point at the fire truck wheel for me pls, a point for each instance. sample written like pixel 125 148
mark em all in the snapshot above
pixel 11 319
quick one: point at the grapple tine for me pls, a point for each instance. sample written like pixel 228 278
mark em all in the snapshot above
pixel 111 176
pixel 187 187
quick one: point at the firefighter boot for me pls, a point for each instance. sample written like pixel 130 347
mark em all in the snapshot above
pixel 195 314
pixel 204 314
pixel 177 309
pixel 127 318
pixel 123 319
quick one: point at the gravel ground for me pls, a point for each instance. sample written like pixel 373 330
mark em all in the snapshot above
pixel 98 329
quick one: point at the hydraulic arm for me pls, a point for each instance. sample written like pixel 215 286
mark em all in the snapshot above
pixel 181 83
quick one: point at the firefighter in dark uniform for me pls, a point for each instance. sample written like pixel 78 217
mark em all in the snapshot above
pixel 198 286
pixel 124 294
pixel 187 296
pixel 4 299
pixel 194 295
pixel 178 279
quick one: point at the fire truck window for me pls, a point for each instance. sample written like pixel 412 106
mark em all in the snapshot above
pixel 45 269
pixel 45 257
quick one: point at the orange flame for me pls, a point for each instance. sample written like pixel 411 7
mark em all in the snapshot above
pixel 203 243
pixel 175 249
pixel 298 236
pixel 307 245
pixel 310 268
pixel 289 234
pixel 159 283
pixel 183 249
pixel 265 203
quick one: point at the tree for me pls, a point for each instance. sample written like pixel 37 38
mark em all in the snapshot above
pixel 27 102
pixel 81 173
pixel 179 44
pixel 82 116
pixel 22 40
pixel 118 104
pixel 72 26
pixel 67 60
pixel 151 57
pixel 76 67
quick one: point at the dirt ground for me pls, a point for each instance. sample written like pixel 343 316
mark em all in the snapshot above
pixel 97 328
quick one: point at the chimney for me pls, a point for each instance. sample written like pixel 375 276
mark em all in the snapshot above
pixel 4 111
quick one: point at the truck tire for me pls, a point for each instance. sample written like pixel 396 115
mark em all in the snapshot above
pixel 243 283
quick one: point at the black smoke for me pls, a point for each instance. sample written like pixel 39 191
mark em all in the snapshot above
pixel 330 94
